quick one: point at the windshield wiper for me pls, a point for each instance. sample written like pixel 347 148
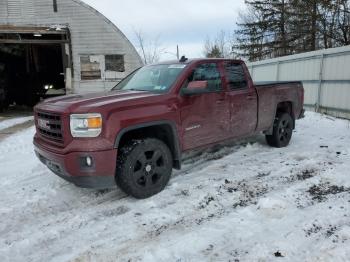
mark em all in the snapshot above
pixel 134 89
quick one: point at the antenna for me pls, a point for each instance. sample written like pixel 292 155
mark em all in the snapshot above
pixel 183 59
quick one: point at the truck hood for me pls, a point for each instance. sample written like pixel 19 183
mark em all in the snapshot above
pixel 92 101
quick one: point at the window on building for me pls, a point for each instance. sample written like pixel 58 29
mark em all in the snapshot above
pixel 115 63
pixel 235 76
pixel 55 6
pixel 90 67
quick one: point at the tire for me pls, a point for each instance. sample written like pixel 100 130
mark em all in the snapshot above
pixel 282 131
pixel 144 167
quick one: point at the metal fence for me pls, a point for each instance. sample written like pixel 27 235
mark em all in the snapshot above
pixel 325 75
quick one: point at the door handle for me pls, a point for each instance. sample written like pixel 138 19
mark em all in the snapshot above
pixel 250 97
pixel 220 101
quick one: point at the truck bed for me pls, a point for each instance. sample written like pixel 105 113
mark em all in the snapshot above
pixel 271 94
pixel 274 83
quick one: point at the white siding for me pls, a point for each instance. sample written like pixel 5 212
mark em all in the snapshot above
pixel 91 33
pixel 302 69
pixel 325 75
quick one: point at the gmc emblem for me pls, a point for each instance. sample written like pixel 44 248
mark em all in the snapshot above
pixel 44 123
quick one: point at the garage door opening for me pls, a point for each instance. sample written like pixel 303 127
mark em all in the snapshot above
pixel 33 66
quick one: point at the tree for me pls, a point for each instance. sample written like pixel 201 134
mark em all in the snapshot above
pixel 214 52
pixel 342 10
pixel 150 50
pixel 250 40
pixel 219 47
pixel 263 31
pixel 273 28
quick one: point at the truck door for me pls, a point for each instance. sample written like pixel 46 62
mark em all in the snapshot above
pixel 242 99
pixel 204 116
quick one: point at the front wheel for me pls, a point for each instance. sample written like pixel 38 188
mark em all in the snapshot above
pixel 144 167
pixel 282 131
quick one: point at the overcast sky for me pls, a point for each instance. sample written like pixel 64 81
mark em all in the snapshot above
pixel 183 22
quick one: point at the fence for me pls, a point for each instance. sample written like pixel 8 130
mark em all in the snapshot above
pixel 325 75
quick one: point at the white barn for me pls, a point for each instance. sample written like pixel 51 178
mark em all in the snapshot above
pixel 63 45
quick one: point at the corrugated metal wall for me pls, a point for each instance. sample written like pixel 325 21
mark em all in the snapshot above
pixel 91 34
pixel 325 75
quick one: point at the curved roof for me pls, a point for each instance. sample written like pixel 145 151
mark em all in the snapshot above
pixel 117 30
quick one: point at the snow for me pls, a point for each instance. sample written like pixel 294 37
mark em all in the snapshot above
pixel 240 202
pixel 14 121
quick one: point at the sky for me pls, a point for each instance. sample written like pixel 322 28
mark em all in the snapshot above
pixel 186 23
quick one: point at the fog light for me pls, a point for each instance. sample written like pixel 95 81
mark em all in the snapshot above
pixel 88 161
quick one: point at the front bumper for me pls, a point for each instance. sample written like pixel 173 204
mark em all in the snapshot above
pixel 71 167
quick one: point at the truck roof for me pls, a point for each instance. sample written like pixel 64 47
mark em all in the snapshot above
pixel 193 60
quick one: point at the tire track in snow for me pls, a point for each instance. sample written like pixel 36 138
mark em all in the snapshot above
pixel 196 220
pixel 245 193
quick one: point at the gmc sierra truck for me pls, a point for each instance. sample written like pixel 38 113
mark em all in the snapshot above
pixel 134 135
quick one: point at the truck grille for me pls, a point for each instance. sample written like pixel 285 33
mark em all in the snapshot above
pixel 50 126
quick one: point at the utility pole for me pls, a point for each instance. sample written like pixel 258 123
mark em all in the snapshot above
pixel 177 52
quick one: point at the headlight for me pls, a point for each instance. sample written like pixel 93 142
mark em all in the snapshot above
pixel 85 125
pixel 47 87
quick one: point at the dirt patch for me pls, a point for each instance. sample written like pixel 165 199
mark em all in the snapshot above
pixel 248 194
pixel 306 174
pixel 160 229
pixel 278 254
pixel 314 229
pixel 331 230
pixel 326 231
pixel 263 174
pixel 115 212
pixel 300 175
pixel 206 201
pixel 320 192
pixel 237 255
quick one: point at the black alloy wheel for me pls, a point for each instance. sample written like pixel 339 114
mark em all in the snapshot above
pixel 282 131
pixel 144 167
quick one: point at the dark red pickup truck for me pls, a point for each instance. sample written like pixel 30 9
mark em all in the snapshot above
pixel 135 134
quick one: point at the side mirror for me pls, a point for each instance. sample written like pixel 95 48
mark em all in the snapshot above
pixel 195 88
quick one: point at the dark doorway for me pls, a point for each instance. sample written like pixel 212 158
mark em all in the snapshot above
pixel 33 63
pixel 31 72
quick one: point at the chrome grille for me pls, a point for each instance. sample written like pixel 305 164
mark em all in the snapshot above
pixel 50 126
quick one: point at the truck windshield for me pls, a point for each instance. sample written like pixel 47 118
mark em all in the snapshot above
pixel 153 78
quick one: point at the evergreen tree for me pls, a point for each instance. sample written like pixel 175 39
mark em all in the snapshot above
pixel 273 28
pixel 214 52
pixel 264 31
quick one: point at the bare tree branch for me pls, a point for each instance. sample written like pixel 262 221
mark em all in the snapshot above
pixel 150 50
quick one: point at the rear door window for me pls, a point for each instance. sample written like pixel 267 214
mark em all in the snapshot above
pixel 235 75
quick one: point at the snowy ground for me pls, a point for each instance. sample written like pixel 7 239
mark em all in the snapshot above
pixel 246 202
pixel 14 121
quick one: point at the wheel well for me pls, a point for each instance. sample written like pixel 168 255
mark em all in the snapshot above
pixel 286 107
pixel 163 132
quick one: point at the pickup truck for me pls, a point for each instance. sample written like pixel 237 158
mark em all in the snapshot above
pixel 135 134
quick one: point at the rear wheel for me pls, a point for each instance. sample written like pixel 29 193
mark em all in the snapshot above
pixel 144 167
pixel 282 131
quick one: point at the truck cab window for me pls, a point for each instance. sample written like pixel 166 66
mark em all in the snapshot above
pixel 235 76
pixel 153 78
pixel 207 72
